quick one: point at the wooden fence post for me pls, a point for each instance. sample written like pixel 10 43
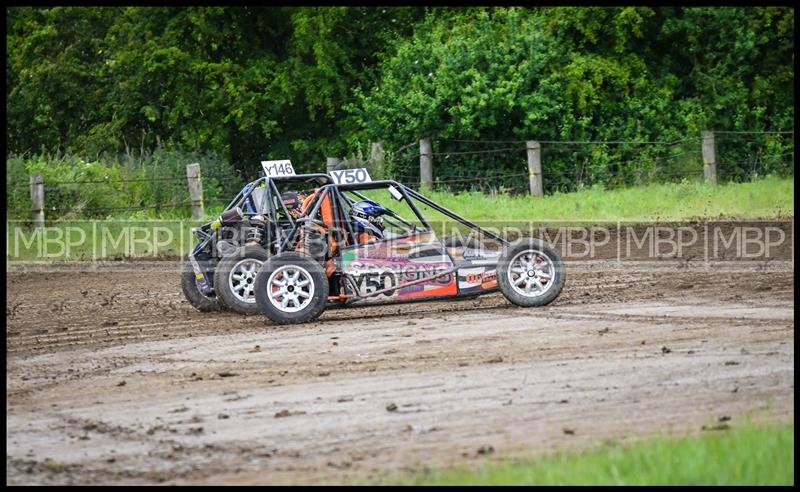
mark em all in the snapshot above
pixel 195 190
pixel 37 198
pixel 425 163
pixel 709 158
pixel 331 164
pixel 377 158
pixel 535 167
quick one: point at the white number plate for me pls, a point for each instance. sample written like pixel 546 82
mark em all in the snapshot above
pixel 351 176
pixel 274 169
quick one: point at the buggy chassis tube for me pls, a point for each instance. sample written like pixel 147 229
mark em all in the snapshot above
pixel 205 288
pixel 408 192
pixel 241 197
pixel 273 190
pixel 317 202
pixel 378 184
pixel 315 205
pixel 454 216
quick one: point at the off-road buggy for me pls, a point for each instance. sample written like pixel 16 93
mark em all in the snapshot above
pixel 316 256
pixel 221 268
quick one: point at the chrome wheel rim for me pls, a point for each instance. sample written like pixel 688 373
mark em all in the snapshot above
pixel 242 279
pixel 290 288
pixel 531 273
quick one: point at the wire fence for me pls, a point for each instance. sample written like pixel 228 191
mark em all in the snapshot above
pixel 747 156
pixel 134 180
pixel 84 198
pixel 468 165
pixel 571 165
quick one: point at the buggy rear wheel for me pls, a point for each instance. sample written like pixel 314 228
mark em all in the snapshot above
pixel 200 301
pixel 291 288
pixel 234 278
pixel 530 273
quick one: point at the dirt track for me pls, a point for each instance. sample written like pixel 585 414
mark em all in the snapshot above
pixel 113 378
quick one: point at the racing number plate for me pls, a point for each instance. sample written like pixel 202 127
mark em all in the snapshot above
pixel 274 169
pixel 351 176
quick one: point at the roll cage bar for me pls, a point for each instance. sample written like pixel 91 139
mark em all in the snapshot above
pixel 327 187
pixel 336 193
pixel 270 183
pixel 272 197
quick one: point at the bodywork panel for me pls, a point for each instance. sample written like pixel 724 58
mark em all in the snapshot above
pixel 386 264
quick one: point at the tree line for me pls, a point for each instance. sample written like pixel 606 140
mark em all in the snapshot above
pixel 250 83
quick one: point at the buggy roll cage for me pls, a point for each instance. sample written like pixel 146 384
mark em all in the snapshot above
pixel 327 187
pixel 336 193
pixel 272 193
pixel 272 196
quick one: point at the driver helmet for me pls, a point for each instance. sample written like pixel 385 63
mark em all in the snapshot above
pixel 291 200
pixel 367 216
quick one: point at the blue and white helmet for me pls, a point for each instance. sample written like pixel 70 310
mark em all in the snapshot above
pixel 367 216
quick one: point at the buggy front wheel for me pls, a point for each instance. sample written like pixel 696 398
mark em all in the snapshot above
pixel 291 288
pixel 530 273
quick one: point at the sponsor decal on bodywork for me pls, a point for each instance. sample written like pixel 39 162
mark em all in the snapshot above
pixel 476 279
pixel 465 256
pixel 388 264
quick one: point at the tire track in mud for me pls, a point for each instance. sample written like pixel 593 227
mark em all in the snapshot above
pixel 158 310
pixel 167 394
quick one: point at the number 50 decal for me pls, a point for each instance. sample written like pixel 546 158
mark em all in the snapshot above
pixel 370 282
pixel 351 176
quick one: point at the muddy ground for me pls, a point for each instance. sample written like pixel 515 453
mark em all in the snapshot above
pixel 113 378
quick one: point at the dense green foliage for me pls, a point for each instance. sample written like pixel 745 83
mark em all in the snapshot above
pixel 596 74
pixel 751 455
pixel 248 83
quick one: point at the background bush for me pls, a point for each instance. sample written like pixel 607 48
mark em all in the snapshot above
pixel 151 185
pixel 305 83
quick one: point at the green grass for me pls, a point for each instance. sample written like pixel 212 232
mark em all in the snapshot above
pixel 763 199
pixel 749 455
